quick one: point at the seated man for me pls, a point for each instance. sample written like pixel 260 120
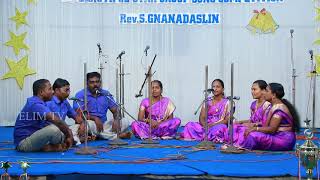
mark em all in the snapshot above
pixel 61 107
pixel 36 127
pixel 99 102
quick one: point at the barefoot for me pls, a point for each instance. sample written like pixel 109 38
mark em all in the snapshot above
pixel 82 138
pixel 224 146
pixel 92 138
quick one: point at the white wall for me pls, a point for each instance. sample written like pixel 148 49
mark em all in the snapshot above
pixel 63 35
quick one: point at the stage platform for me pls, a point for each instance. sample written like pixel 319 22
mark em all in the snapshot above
pixel 171 158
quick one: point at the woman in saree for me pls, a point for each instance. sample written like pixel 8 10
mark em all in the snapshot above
pixel 259 105
pixel 162 121
pixel 258 110
pixel 218 114
pixel 279 125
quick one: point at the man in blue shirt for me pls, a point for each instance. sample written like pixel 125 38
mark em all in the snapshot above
pixel 99 102
pixel 61 107
pixel 36 127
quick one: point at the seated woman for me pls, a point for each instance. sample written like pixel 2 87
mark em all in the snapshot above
pixel 259 106
pixel 277 132
pixel 218 114
pixel 163 124
pixel 258 110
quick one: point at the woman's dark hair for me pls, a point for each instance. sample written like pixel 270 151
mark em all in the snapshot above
pixel 261 83
pixel 278 90
pixel 220 81
pixel 159 83
pixel 59 83
pixel 39 85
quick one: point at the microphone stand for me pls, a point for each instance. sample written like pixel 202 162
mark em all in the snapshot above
pixel 150 140
pixel 83 114
pixel 121 86
pixel 117 94
pixel 293 70
pixel 118 141
pixel 205 144
pixel 117 85
pixel 100 64
pixel 145 79
pixel 314 84
pixel 231 148
pixel 85 150
pixel 148 76
pixel 197 110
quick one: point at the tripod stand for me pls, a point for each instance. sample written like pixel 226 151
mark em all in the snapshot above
pixel 231 148
pixel 85 150
pixel 205 144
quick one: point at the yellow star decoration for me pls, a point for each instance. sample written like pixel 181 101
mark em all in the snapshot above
pixel 318 14
pixel 17 42
pixel 32 1
pixel 20 18
pixel 18 70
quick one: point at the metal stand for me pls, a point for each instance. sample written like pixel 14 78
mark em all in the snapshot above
pixel 100 63
pixel 119 98
pixel 314 98
pixel 150 140
pixel 85 150
pixel 145 79
pixel 205 144
pixel 231 149
pixel 118 141
pixel 313 74
pixel 293 70
pixel 148 77
pixel 121 86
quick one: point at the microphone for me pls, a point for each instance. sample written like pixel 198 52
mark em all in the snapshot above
pixel 99 47
pixel 103 94
pixel 75 99
pixel 234 97
pixel 291 32
pixel 138 95
pixel 209 90
pixel 122 53
pixel 146 50
pixel 311 54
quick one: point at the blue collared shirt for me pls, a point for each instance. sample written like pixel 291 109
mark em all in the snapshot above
pixel 61 108
pixel 30 119
pixel 97 106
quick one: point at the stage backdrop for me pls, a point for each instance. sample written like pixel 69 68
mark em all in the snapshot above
pixel 61 35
